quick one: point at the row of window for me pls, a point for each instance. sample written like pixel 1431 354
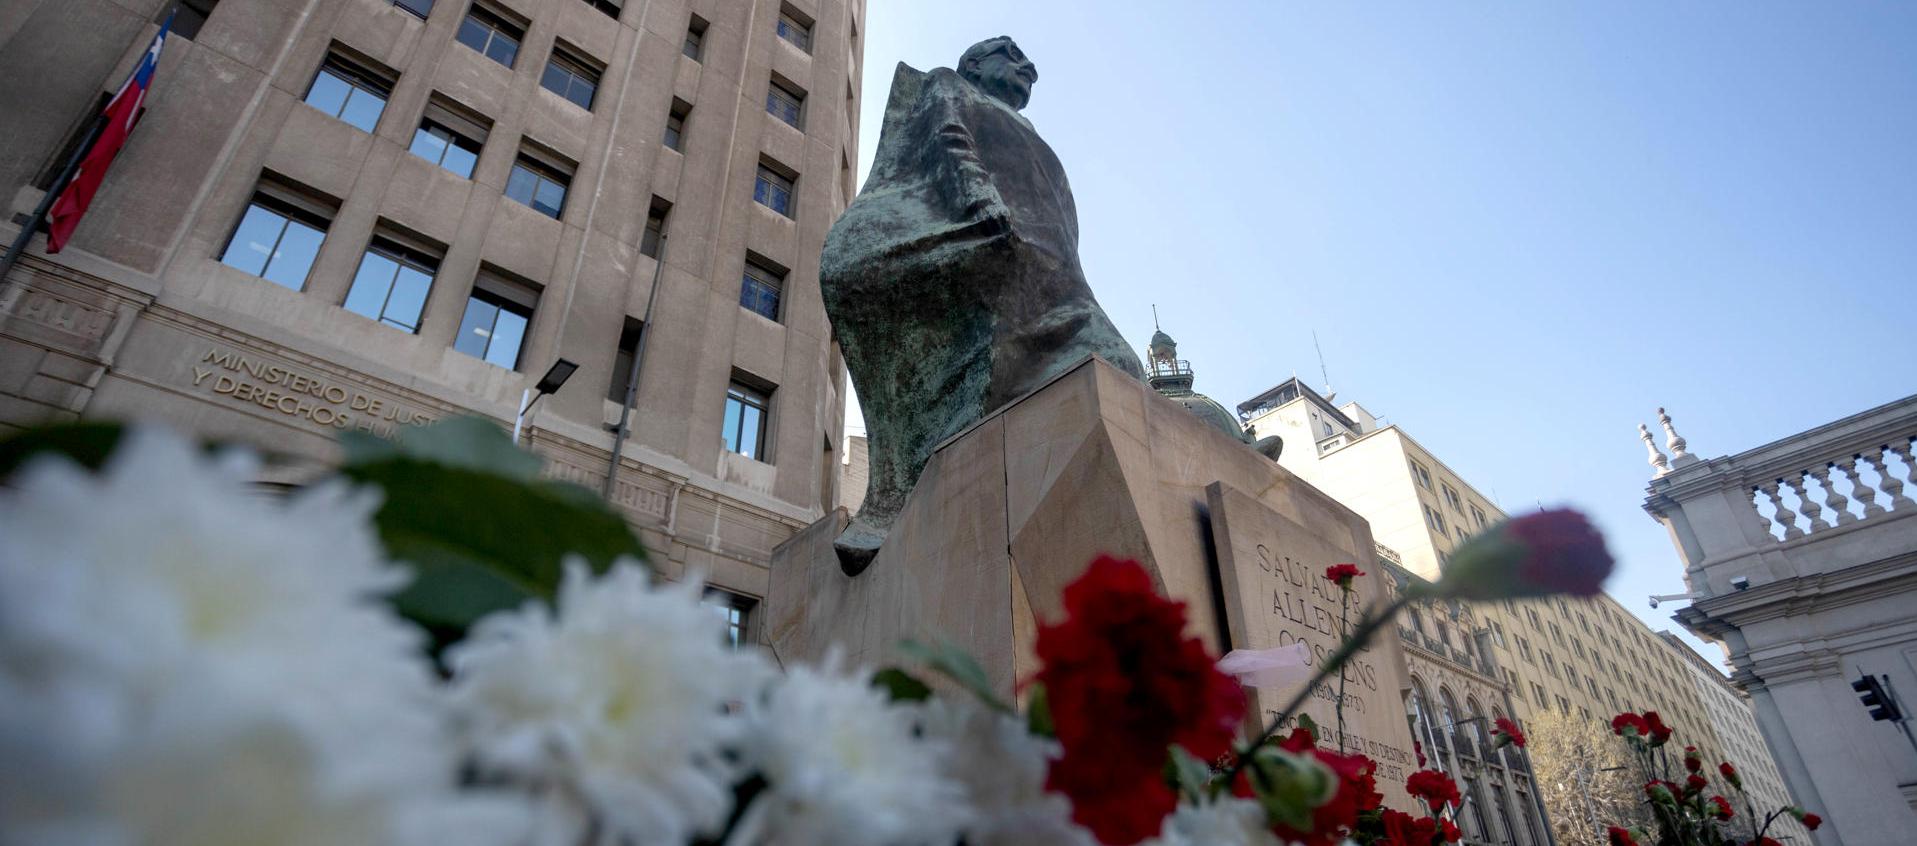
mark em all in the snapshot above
pixel 451 136
pixel 279 236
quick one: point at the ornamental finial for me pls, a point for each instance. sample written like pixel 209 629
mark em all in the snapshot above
pixel 1658 462
pixel 1674 442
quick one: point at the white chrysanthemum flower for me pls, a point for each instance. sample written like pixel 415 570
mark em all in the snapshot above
pixel 1002 766
pixel 1227 821
pixel 616 710
pixel 167 635
pixel 843 766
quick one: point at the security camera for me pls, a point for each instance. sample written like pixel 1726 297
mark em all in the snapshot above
pixel 1670 596
pixel 1653 602
pixel 1740 583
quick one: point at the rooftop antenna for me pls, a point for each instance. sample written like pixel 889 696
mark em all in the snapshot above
pixel 1155 317
pixel 1322 371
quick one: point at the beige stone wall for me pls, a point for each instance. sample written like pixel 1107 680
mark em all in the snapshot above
pixel 139 319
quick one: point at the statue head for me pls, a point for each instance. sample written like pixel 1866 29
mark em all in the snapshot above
pixel 1000 69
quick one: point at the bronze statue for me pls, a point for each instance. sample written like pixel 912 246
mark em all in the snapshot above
pixel 953 281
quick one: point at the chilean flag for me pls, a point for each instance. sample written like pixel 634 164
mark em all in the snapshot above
pixel 121 114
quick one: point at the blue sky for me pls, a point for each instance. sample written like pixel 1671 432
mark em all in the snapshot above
pixel 1518 228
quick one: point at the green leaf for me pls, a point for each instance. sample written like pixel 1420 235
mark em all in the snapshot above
pixel 464 506
pixel 1308 724
pixel 1192 775
pixel 473 443
pixel 87 444
pixel 954 663
pixel 901 686
pixel 1038 714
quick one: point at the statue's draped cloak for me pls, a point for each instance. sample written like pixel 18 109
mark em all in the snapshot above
pixel 952 281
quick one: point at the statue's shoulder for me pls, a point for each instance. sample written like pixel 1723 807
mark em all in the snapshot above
pixel 910 85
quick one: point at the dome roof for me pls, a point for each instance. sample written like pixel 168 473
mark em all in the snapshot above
pixel 1208 410
pixel 1160 339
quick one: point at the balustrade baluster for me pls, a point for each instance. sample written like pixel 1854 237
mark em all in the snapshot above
pixel 1860 491
pixel 1785 515
pixel 1910 467
pixel 1839 504
pixel 1759 522
pixel 1891 485
pixel 1805 505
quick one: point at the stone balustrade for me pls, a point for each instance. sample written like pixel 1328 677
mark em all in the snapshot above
pixel 1814 502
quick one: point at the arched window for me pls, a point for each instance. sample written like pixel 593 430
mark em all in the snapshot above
pixel 1479 727
pixel 1421 725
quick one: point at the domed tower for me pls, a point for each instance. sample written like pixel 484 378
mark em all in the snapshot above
pixel 1173 377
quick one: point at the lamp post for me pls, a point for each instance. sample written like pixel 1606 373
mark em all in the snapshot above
pixel 556 375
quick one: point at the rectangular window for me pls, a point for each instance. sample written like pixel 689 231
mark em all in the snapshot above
pixel 735 610
pixel 450 136
pixel 1477 516
pixel 1422 475
pixel 609 8
pixel 419 8
pixel 795 28
pixel 786 103
pixel 695 46
pixel 1537 690
pixel 655 228
pixel 279 235
pixel 676 124
pixel 746 412
pixel 191 16
pixel 497 314
pixel 392 282
pixel 761 289
pixel 1451 498
pixel 774 190
pixel 350 90
pixel 571 75
pixel 491 33
pixel 1564 706
pixel 622 360
pixel 540 181
pixel 1433 519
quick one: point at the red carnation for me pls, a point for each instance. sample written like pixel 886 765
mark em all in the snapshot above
pixel 1508 733
pixel 1629 722
pixel 1124 684
pixel 1691 761
pixel 1451 832
pixel 1418 748
pixel 1658 730
pixel 1435 788
pixel 1730 775
pixel 1357 792
pixel 1662 792
pixel 1549 552
pixel 1402 829
pixel 1695 784
pixel 1811 821
pixel 1722 808
pixel 1343 574
pixel 1621 837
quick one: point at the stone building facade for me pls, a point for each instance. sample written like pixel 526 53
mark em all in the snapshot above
pixel 1586 659
pixel 1800 556
pixel 1740 741
pixel 365 214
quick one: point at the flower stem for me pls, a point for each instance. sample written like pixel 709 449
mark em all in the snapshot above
pixel 1367 628
pixel 1344 626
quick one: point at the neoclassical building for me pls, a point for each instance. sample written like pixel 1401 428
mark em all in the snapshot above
pixel 1800 556
pixel 368 214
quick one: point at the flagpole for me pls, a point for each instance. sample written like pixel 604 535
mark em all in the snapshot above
pixel 20 241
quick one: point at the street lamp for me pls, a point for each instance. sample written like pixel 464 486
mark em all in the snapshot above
pixel 556 375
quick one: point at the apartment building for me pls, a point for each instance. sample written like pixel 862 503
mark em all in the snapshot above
pixel 1588 659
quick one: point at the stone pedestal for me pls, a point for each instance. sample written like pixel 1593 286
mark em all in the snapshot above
pixel 1094 462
